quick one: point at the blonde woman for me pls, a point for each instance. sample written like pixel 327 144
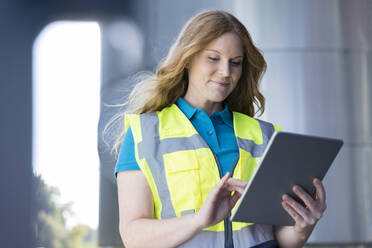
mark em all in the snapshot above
pixel 191 143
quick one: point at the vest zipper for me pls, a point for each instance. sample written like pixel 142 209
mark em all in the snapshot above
pixel 236 162
pixel 229 243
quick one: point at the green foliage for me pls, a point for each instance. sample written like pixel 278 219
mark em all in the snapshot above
pixel 50 221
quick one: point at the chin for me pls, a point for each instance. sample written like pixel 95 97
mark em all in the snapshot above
pixel 218 98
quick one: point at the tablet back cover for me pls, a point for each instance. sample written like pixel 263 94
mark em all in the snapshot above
pixel 290 159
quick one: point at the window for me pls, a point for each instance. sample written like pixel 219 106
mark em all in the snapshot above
pixel 66 105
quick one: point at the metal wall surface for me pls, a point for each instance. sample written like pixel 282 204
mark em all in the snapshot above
pixel 319 82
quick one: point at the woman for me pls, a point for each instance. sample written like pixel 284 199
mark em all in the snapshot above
pixel 191 144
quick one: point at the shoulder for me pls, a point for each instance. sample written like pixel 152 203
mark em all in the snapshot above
pixel 248 121
pixel 148 121
pixel 134 120
pixel 266 124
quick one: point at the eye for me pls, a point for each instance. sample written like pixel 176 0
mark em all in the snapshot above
pixel 236 63
pixel 212 58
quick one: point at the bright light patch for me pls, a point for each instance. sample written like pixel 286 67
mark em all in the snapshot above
pixel 66 104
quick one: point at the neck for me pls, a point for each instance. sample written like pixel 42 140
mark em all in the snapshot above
pixel 208 106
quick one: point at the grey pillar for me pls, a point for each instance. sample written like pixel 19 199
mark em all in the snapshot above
pixel 319 82
pixel 122 56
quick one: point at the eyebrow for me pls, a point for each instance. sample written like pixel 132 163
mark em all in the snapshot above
pixel 220 53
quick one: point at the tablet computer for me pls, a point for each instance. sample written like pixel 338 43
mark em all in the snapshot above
pixel 289 159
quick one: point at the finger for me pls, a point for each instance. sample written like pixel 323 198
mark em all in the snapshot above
pixel 236 185
pixel 232 188
pixel 221 185
pixel 320 191
pixel 240 190
pixel 234 199
pixel 224 179
pixel 305 197
pixel 295 216
pixel 218 189
pixel 226 176
pixel 300 210
pixel 316 208
pixel 237 182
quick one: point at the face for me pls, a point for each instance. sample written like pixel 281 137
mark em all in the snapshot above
pixel 215 71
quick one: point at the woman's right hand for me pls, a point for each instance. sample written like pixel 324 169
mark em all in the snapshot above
pixel 220 200
pixel 138 228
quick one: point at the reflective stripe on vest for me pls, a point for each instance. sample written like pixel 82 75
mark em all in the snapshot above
pixel 181 168
pixel 248 236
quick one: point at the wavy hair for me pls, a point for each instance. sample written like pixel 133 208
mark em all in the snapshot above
pixel 170 80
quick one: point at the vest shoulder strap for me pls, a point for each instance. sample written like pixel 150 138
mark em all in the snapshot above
pixel 249 128
pixel 133 121
pixel 173 123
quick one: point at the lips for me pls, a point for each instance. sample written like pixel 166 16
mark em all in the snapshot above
pixel 221 83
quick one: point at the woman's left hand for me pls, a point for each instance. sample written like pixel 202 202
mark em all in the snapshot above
pixel 307 216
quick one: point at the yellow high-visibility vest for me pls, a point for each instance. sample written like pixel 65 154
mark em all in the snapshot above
pixel 181 169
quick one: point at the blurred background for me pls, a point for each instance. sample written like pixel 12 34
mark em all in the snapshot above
pixel 64 63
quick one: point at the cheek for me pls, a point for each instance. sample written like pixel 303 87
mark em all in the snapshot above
pixel 237 74
pixel 208 69
pixel 202 71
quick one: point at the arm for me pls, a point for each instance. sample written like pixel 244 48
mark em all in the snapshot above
pixel 305 217
pixel 139 229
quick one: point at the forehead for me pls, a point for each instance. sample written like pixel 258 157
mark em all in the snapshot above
pixel 228 44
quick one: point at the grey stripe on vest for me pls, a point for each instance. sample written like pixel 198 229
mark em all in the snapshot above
pixel 253 235
pixel 170 145
pixel 258 150
pixel 186 212
pixel 149 144
pixel 248 236
pixel 205 239
pixel 153 149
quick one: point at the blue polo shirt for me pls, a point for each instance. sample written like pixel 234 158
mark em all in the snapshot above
pixel 217 130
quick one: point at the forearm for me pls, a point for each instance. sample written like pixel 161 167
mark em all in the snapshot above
pixel 139 229
pixel 287 236
pixel 159 233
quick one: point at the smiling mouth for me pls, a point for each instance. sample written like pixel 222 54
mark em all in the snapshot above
pixel 224 84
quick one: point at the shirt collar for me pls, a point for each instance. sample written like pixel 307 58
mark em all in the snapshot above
pixel 189 111
pixel 226 116
pixel 186 108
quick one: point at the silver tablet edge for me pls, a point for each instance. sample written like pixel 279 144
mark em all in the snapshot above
pixel 254 174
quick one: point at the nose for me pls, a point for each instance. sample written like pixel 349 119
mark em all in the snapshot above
pixel 224 69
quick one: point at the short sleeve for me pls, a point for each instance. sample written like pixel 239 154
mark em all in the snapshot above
pixel 126 159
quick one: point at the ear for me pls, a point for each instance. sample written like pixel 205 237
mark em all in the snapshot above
pixel 188 63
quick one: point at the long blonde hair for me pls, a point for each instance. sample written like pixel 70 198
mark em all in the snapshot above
pixel 170 80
